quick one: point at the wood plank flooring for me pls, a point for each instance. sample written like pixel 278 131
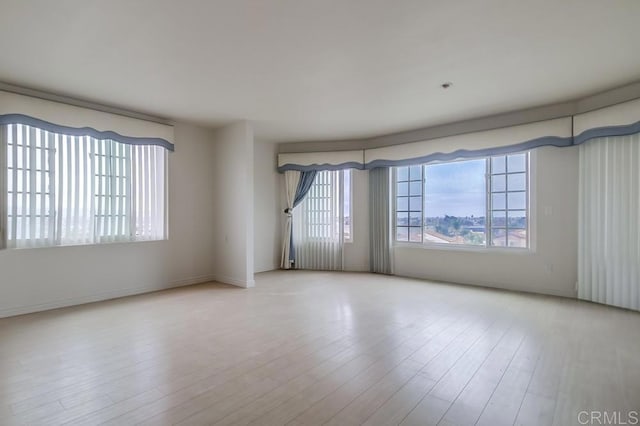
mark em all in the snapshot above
pixel 311 348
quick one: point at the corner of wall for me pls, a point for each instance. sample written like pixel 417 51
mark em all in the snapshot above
pixel 233 192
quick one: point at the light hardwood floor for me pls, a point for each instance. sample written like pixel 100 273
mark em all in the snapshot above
pixel 315 348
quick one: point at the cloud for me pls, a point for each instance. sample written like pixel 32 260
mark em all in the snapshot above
pixel 456 189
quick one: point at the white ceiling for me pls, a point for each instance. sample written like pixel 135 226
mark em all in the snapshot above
pixel 321 69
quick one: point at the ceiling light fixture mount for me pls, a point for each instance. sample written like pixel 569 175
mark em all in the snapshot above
pixel 446 85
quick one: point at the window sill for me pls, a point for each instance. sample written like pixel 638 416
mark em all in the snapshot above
pixel 465 248
pixel 88 246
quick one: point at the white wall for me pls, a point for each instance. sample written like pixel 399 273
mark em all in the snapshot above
pixel 268 206
pixel 37 279
pixel 232 188
pixel 550 269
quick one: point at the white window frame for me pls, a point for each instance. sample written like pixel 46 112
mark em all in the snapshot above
pixel 115 180
pixel 47 168
pixel 489 202
pixel 338 196
pixel 530 211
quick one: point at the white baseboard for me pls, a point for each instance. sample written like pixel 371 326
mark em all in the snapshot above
pixel 99 297
pixel 234 281
pixel 191 281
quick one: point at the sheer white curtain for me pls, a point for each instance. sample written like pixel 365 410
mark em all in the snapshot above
pixel 318 234
pixel 609 220
pixel 291 180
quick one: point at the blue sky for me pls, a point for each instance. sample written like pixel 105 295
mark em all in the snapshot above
pixel 456 189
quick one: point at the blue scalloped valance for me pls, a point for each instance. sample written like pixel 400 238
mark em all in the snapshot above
pixel 83 131
pixel 618 120
pixel 308 161
pixel 62 118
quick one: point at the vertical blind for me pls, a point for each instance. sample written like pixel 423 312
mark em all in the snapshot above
pixel 609 221
pixel 380 221
pixel 63 189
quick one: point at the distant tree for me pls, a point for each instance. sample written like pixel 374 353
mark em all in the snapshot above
pixel 475 238
pixel 441 229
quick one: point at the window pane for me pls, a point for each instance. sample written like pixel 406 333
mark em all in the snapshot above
pixel 516 163
pixel 498 183
pixel 416 188
pixel 517 219
pixel 455 203
pixel 403 188
pixel 499 237
pixel 402 174
pixel 517 238
pixel 402 204
pixel 415 203
pixel 415 234
pixel 402 218
pixel 517 182
pixel 517 200
pixel 499 218
pixel 498 201
pixel 415 218
pixel 22 156
pixel 402 233
pixel 9 155
pixel 38 158
pixel 22 182
pixel 28 191
pixel 498 165
pixel 415 172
